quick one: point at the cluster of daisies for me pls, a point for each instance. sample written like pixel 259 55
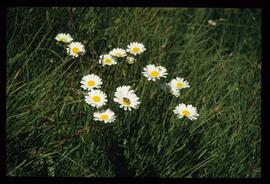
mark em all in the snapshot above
pixel 74 49
pixel 133 49
pixel 154 73
pixel 124 96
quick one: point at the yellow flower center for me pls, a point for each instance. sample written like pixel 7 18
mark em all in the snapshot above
pixel 91 83
pixel 104 117
pixel 96 98
pixel 154 73
pixel 126 101
pixel 63 40
pixel 185 113
pixel 180 84
pixel 75 50
pixel 108 60
pixel 136 49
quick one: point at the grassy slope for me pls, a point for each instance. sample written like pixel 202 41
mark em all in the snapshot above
pixel 49 127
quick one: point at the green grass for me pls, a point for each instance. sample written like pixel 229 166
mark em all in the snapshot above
pixel 49 127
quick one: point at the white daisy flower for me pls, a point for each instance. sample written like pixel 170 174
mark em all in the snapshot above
pixel 212 23
pixel 179 83
pixel 130 60
pixel 118 52
pixel 63 37
pixel 186 110
pixel 91 81
pixel 126 98
pixel 75 49
pixel 176 85
pixel 135 48
pixel 96 98
pixel 107 59
pixel 175 92
pixel 107 116
pixel 153 72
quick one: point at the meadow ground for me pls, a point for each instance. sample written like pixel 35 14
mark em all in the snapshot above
pixel 50 129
